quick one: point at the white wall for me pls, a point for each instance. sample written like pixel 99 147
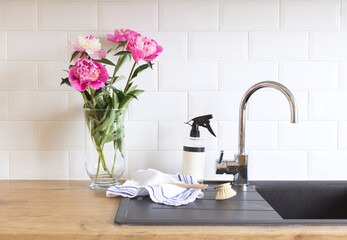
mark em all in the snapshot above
pixel 213 51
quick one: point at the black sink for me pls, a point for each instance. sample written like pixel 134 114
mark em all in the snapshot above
pixel 306 200
pixel 270 203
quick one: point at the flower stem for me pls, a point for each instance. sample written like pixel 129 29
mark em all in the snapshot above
pixel 114 72
pixel 103 161
pixel 129 79
pixel 114 161
pixel 91 94
pixel 97 171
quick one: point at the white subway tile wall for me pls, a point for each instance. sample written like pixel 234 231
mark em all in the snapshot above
pixel 13 79
pixel 310 15
pixel 63 16
pixel 188 76
pixel 217 46
pixel 3 45
pixel 4 165
pixel 249 15
pixel 139 15
pixel 213 52
pixel 18 15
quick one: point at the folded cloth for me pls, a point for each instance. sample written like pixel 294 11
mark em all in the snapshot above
pixel 156 184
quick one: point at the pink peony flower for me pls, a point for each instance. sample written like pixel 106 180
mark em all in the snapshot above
pixel 143 48
pixel 87 73
pixel 89 44
pixel 121 35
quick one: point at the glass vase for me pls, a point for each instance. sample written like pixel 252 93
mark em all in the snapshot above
pixel 104 142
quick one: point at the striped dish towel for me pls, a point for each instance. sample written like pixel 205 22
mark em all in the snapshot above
pixel 155 184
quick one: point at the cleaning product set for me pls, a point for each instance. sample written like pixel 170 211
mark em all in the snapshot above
pixel 167 188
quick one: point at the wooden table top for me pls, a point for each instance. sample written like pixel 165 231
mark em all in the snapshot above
pixel 70 210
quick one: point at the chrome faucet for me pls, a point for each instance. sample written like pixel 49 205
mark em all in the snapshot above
pixel 239 166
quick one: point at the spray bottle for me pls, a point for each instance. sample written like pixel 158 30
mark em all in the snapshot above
pixel 194 148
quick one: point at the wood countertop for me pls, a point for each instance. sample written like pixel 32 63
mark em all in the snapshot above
pixel 70 210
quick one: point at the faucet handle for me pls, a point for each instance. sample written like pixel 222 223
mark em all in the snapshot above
pixel 221 166
pixel 227 166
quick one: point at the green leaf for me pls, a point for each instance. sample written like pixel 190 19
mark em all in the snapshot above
pixel 136 92
pixel 114 136
pixel 114 47
pixel 122 60
pixel 65 81
pixel 100 102
pixel 104 116
pixel 122 53
pixel 86 93
pixel 119 144
pixel 106 120
pixel 123 43
pixel 121 95
pixel 121 77
pixel 104 61
pixel 129 86
pixel 113 88
pixel 74 55
pixel 130 96
pixel 115 101
pixel 139 69
pixel 132 88
pixel 150 65
pixel 101 92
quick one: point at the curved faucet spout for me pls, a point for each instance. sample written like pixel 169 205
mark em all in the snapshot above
pixel 248 94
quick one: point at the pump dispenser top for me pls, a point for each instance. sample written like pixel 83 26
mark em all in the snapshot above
pixel 202 121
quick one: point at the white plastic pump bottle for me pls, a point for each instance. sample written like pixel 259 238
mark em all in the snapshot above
pixel 194 148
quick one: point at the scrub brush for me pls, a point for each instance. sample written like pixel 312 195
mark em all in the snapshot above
pixel 224 191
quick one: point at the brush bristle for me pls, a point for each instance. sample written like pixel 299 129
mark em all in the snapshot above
pixel 225 193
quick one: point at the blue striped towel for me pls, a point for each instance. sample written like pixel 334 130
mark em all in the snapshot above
pixel 155 184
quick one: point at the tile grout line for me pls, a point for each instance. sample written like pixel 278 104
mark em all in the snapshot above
pixel 8 105
pixel 339 76
pixel 219 11
pixel 188 46
pixel 279 15
pixel 308 45
pixel 278 71
pixel 158 16
pixel 37 16
pixel 248 45
pixel 6 48
pixel 98 15
pixel 37 76
pixel 308 106
pixel 340 17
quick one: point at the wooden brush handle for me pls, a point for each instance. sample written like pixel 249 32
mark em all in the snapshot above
pixel 186 185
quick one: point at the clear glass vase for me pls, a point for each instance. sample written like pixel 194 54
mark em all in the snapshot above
pixel 104 152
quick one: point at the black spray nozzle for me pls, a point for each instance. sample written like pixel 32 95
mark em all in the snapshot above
pixel 202 121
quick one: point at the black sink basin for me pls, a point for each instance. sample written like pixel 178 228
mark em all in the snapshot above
pixel 267 203
pixel 306 200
